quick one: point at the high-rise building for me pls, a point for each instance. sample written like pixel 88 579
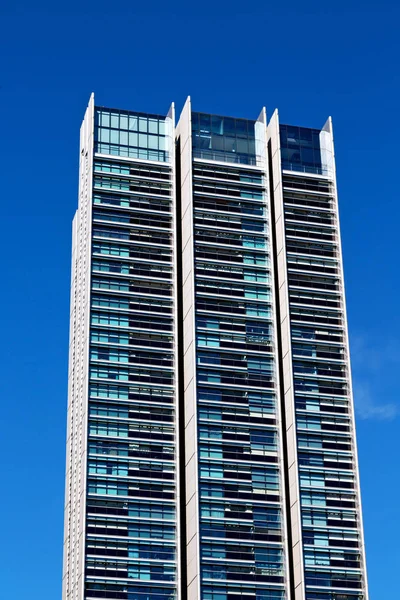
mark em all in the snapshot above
pixel 211 450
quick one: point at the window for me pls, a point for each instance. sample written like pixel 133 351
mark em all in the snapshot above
pixel 259 364
pixel 110 284
pixel 103 390
pixel 211 377
pixel 110 249
pixel 256 292
pixel 254 259
pixel 146 572
pixel 313 498
pixel 265 478
pixel 107 468
pixel 215 471
pixel 133 135
pixel 109 354
pixel 110 319
pixel 211 451
pixel 204 339
pixel 304 422
pixel 261 403
pixel 210 413
pixel 110 301
pixel 108 429
pixel 255 276
pixel 151 511
pixel 110 488
pixel 253 242
pixel 97 372
pixel 108 410
pixel 208 322
pixel 258 310
pixel 312 479
pixel 144 530
pixel 318 519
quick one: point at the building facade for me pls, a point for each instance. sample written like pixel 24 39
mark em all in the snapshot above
pixel 211 448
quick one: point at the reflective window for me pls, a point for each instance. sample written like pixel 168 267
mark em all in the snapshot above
pixel 300 149
pixel 134 135
pixel 223 138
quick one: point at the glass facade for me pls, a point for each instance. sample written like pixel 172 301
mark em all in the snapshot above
pixel 211 443
pixel 331 541
pixel 301 149
pixel 128 134
pixel 240 520
pixel 224 139
pixel 131 535
pixel 317 378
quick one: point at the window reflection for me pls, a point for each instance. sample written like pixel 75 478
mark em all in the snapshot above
pixel 300 149
pixel 224 138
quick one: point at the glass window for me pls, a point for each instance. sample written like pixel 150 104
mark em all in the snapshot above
pixel 143 124
pixel 123 121
pixel 115 120
pixel 117 141
pixel 133 139
pixel 123 138
pixel 142 140
pixel 104 119
pixel 152 142
pixel 133 123
pixel 114 136
pixel 153 126
pixel 208 340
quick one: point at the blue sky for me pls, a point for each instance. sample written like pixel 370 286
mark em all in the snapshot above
pixel 309 59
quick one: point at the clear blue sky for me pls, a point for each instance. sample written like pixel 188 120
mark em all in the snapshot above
pixel 309 59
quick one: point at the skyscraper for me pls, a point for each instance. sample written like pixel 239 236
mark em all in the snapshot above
pixel 211 445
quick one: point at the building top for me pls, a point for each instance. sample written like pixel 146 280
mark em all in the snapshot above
pixel 301 149
pixel 141 135
pixel 223 138
pixel 131 134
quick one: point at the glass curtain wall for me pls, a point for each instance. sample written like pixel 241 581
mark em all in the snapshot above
pixel 241 546
pixel 329 503
pixel 267 453
pixel 131 530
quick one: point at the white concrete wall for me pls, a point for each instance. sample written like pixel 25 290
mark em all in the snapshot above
pixel 75 491
pixel 262 152
pixel 171 134
pixel 287 383
pixel 328 159
pixel 184 133
pixel 326 138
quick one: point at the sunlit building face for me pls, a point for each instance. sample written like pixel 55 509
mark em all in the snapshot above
pixel 211 444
